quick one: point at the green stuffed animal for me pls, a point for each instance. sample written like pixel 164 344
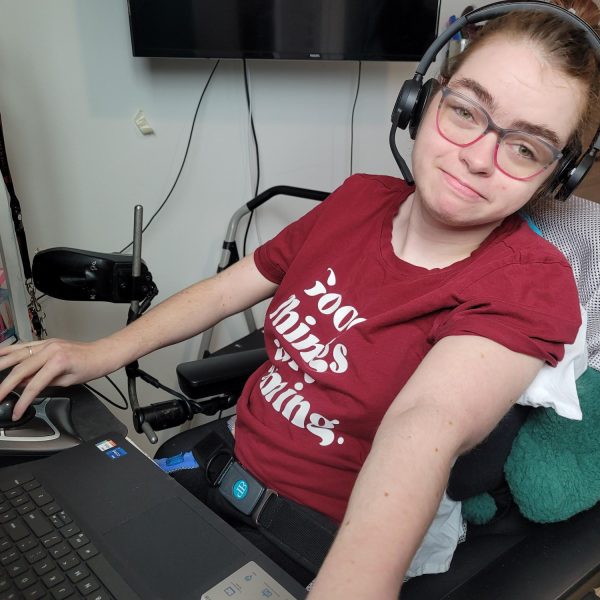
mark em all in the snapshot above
pixel 553 469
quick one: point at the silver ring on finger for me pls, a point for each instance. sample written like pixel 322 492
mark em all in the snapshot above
pixel 30 351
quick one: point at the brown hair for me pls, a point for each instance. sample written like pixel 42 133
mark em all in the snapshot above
pixel 565 47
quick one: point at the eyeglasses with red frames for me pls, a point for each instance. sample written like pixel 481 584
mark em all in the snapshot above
pixel 518 154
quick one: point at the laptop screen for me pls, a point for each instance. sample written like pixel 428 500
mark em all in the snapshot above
pixel 7 322
pixel 14 315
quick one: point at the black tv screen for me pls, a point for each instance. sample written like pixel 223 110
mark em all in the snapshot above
pixel 284 29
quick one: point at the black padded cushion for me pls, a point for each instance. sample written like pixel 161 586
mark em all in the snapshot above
pixel 482 469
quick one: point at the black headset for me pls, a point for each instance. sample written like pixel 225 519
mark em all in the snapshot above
pixel 414 95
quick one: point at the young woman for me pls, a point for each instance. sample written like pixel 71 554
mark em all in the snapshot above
pixel 405 321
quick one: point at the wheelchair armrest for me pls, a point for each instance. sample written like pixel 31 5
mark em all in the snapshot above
pixel 219 374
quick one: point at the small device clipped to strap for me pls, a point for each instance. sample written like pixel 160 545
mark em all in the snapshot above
pixel 298 531
pixel 242 490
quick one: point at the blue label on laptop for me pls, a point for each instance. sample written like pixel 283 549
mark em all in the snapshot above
pixel 116 452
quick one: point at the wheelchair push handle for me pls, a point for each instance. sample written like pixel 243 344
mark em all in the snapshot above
pixel 286 190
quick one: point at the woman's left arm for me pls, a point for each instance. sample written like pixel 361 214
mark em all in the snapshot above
pixel 460 391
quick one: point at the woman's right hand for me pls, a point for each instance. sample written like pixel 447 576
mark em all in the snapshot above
pixel 36 365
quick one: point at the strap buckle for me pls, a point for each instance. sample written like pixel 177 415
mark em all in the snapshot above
pixel 243 491
pixel 265 497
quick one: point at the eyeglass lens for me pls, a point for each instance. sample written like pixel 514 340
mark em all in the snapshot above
pixel 519 154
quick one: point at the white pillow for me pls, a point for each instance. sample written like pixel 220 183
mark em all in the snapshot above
pixel 554 387
pixel 438 546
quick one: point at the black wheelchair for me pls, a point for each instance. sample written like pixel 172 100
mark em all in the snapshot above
pixel 507 558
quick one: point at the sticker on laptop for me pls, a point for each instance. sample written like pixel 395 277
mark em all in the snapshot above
pixel 105 445
pixel 251 582
pixel 110 448
pixel 116 452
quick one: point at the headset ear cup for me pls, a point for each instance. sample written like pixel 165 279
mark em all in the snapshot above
pixel 571 176
pixel 427 91
pixel 555 186
pixel 405 103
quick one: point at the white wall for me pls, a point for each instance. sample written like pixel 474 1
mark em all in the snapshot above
pixel 69 88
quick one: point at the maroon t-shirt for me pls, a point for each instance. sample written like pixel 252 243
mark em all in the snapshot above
pixel 350 323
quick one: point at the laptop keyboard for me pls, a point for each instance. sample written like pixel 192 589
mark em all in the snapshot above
pixel 43 553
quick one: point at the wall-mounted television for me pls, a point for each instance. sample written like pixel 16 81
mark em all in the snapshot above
pixel 283 29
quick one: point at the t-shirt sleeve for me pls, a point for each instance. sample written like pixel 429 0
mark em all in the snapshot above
pixel 530 308
pixel 274 257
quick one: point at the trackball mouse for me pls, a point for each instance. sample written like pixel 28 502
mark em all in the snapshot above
pixel 6 409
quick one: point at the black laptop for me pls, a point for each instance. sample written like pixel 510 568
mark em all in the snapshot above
pixel 101 521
